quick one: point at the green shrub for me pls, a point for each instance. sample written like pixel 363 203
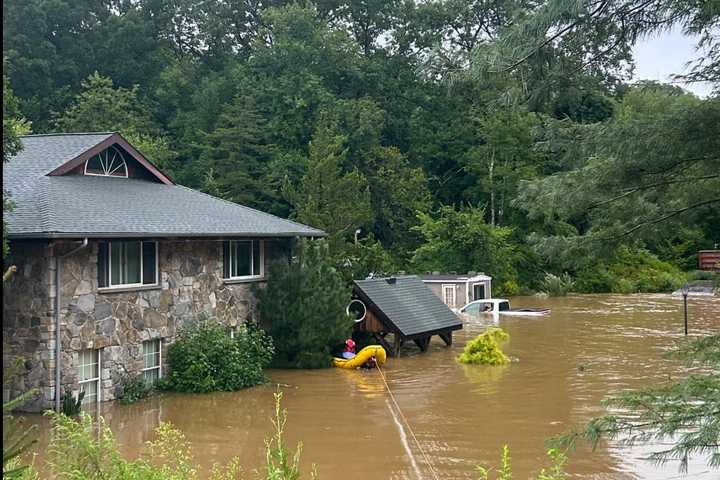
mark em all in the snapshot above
pixel 557 286
pixel 134 388
pixel 71 406
pixel 508 288
pixel 304 303
pixel 206 359
pixel 485 348
pixel 630 271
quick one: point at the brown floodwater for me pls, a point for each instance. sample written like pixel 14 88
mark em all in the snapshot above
pixel 564 365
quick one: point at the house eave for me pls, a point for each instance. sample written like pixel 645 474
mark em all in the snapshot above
pixel 167 235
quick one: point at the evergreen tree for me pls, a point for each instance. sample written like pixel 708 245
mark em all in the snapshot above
pixel 304 303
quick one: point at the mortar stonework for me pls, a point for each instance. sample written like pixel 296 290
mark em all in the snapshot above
pixel 190 287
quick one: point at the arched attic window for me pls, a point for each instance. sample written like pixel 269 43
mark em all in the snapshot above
pixel 108 163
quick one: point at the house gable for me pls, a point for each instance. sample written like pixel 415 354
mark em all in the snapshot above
pixel 137 165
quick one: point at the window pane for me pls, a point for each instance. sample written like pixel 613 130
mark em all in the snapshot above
pixel 151 376
pixel 226 260
pixel 257 261
pixel 116 269
pixel 103 262
pixel 243 250
pixel 149 258
pixel 90 389
pixel 132 257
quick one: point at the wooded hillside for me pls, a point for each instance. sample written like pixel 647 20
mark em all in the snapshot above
pixel 491 135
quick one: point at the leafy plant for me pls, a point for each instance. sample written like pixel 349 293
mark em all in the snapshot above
pixel 485 348
pixel 134 388
pixel 504 472
pixel 81 449
pixel 17 438
pixel 558 285
pixel 205 359
pixel 71 406
pixel 304 302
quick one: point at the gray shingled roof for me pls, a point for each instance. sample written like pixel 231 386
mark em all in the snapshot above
pixel 408 304
pixel 74 206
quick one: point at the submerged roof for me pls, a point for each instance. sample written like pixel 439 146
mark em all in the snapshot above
pixel 50 202
pixel 407 304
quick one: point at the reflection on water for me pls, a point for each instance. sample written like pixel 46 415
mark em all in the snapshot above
pixel 462 415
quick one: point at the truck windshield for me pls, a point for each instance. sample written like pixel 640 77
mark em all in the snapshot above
pixel 503 306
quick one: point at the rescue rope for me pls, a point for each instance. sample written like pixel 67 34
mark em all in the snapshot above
pixel 412 433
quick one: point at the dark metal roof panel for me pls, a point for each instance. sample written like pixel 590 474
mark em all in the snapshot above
pixel 409 304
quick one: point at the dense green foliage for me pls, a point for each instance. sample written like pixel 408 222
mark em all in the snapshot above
pixel 485 348
pixel 304 303
pixel 84 449
pixel 511 120
pixel 205 359
pixel 630 271
pixel 681 417
pixel 557 285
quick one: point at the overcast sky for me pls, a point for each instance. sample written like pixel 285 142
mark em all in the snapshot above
pixel 659 56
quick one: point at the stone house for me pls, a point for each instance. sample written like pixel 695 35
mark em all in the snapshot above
pixel 113 259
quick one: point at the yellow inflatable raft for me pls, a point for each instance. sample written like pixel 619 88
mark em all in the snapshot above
pixel 362 356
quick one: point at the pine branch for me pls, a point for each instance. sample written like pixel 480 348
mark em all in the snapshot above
pixel 630 191
pixel 668 216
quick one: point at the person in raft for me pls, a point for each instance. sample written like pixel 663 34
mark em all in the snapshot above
pixel 349 351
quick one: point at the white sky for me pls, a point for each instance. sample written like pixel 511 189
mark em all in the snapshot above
pixel 659 56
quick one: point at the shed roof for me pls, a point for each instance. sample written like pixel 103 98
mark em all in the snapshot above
pixel 452 277
pixel 49 204
pixel 408 305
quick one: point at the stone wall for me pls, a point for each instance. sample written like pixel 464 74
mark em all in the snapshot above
pixel 191 287
pixel 28 330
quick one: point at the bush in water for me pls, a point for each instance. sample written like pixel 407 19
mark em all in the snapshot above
pixel 304 302
pixel 557 285
pixel 485 348
pixel 206 359
pixel 134 388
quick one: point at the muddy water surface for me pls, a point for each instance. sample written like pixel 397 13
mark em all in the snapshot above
pixel 461 415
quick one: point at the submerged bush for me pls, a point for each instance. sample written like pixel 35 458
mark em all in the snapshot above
pixel 206 359
pixel 557 285
pixel 134 388
pixel 485 348
pixel 304 303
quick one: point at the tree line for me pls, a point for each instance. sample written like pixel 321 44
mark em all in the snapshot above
pixel 501 136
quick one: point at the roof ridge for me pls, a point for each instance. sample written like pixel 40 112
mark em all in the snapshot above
pixel 65 134
pixel 249 208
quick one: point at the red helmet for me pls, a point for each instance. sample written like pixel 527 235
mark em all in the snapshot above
pixel 350 343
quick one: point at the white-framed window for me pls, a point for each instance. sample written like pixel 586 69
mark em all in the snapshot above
pixel 243 259
pixel 127 263
pixel 89 374
pixel 449 295
pixel 108 163
pixel 152 356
